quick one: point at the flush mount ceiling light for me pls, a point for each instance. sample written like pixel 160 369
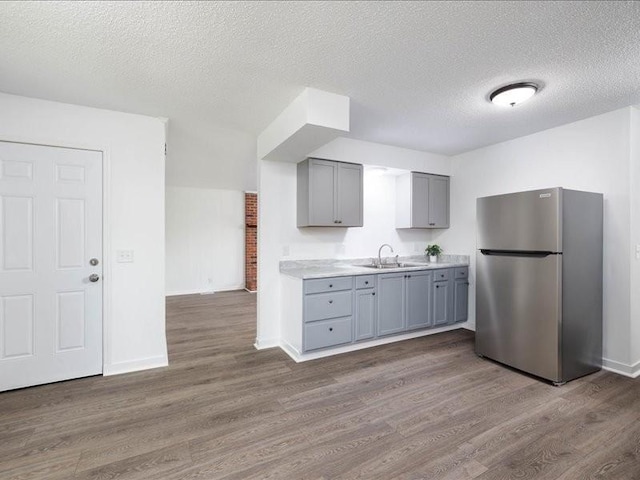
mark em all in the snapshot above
pixel 514 94
pixel 378 170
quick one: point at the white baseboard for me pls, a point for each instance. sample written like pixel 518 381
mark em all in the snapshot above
pixel 632 371
pixel 263 343
pixel 176 293
pixel 291 351
pixel 135 365
pixel 303 357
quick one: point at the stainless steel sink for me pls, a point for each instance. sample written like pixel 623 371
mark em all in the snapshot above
pixel 386 266
pixel 383 266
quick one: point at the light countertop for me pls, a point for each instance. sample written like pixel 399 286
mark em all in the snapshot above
pixel 308 269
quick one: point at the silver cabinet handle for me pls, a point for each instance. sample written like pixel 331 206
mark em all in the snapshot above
pixel 94 277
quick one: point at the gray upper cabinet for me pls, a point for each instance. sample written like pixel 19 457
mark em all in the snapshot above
pixel 422 201
pixel 418 295
pixel 329 194
pixel 391 303
pixel 438 201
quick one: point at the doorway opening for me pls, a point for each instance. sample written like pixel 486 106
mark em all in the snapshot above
pixel 251 241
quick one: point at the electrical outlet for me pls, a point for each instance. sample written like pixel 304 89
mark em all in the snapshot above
pixel 124 256
pixel 286 250
pixel 638 251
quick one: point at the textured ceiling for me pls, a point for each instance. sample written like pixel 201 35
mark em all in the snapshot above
pixel 418 73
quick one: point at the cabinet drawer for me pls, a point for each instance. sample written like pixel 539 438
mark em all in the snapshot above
pixel 441 275
pixel 327 333
pixel 327 305
pixel 335 284
pixel 365 281
pixel 462 272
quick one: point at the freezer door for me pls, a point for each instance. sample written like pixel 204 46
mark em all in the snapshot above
pixel 521 221
pixel 518 309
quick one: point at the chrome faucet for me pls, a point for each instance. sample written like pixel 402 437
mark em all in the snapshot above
pixel 380 252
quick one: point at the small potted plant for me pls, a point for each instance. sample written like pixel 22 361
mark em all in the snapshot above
pixel 433 251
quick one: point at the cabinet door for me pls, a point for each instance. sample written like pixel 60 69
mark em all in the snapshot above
pixel 365 313
pixel 390 303
pixel 438 201
pixel 418 294
pixel 419 200
pixel 349 195
pixel 442 298
pixel 461 300
pixel 322 187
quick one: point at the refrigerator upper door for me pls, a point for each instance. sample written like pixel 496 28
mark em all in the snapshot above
pixel 518 305
pixel 529 221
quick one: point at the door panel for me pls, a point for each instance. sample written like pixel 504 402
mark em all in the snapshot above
pixel 518 312
pixel 50 227
pixel 349 195
pixel 70 331
pixel 529 221
pixel 17 232
pixel 365 313
pixel 438 201
pixel 461 301
pixel 70 227
pixel 418 300
pixel 441 310
pixel 419 200
pixel 390 303
pixel 322 178
pixel 16 322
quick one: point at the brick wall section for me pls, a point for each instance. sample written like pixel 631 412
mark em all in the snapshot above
pixel 251 241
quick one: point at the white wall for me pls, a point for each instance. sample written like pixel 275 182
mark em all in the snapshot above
pixel 134 172
pixel 590 155
pixel 279 239
pixel 634 182
pixel 218 157
pixel 205 240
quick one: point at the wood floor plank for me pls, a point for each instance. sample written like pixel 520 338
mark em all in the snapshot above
pixel 426 408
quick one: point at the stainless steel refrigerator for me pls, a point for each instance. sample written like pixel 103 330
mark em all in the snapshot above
pixel 539 282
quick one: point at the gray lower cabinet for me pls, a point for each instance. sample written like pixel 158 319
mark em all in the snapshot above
pixel 442 309
pixel 327 333
pixel 344 310
pixel 461 295
pixel 442 296
pixel 328 305
pixel 365 322
pixel 418 299
pixel 391 303
pixel 329 194
pixel 327 312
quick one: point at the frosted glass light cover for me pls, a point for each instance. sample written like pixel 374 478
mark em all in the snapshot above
pixel 512 95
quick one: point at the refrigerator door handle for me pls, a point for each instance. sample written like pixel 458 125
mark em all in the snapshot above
pixel 519 253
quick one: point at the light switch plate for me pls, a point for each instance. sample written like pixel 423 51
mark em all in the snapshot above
pixel 124 256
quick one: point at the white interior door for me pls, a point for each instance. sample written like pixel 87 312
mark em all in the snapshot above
pixel 50 239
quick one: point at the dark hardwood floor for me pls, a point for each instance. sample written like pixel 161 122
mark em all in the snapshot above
pixel 424 408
